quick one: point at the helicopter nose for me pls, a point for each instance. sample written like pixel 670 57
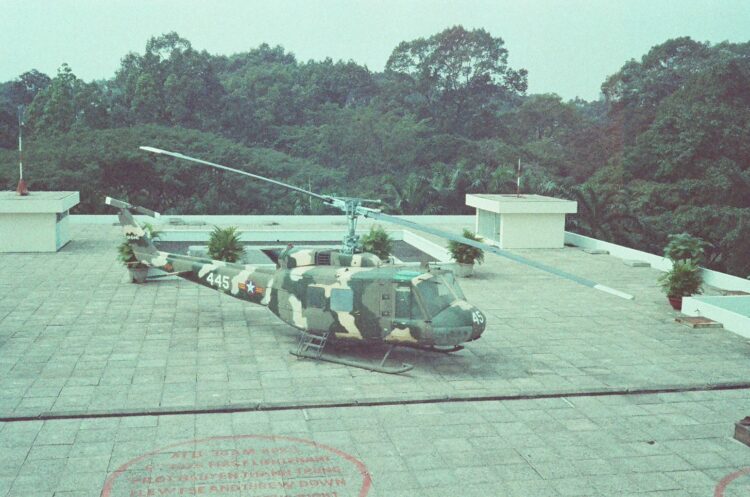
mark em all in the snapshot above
pixel 478 323
pixel 459 323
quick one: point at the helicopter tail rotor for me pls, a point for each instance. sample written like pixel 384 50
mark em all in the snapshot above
pixel 136 235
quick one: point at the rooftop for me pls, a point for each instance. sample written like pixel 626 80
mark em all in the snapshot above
pixel 569 391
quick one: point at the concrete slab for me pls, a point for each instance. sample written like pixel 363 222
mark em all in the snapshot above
pixel 595 251
pixel 635 263
pixel 74 338
pixel 78 344
pixel 608 446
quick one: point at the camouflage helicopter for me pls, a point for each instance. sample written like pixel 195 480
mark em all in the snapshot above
pixel 340 295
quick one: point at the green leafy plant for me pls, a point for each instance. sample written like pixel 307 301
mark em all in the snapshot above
pixel 126 256
pixel 466 254
pixel 378 242
pixel 224 244
pixel 684 247
pixel 683 280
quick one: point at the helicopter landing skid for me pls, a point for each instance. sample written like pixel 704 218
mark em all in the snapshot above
pixel 432 348
pixel 379 368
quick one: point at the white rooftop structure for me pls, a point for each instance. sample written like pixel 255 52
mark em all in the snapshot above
pixel 37 222
pixel 521 221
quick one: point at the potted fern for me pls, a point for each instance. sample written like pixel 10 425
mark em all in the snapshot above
pixel 378 242
pixel 224 244
pixel 466 255
pixel 684 279
pixel 686 247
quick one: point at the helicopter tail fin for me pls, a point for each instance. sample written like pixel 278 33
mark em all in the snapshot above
pixel 137 236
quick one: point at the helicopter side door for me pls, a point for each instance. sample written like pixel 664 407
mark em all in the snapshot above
pixel 387 297
pixel 405 314
pixel 317 312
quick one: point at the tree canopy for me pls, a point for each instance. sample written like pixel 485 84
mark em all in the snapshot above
pixel 665 150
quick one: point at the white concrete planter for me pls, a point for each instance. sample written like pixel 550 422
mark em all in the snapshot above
pixel 138 274
pixel 464 270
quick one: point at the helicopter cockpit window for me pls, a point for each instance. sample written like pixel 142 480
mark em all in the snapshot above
pixel 403 302
pixel 316 297
pixel 436 295
pixel 450 279
pixel 342 300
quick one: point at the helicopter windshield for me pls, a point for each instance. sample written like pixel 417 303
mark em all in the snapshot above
pixel 436 295
pixel 450 279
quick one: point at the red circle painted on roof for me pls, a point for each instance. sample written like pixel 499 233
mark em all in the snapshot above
pixel 721 487
pixel 239 464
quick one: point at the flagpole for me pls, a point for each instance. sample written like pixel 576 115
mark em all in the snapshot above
pixel 518 179
pixel 21 189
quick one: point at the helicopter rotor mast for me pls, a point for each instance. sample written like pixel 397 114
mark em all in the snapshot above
pixel 353 208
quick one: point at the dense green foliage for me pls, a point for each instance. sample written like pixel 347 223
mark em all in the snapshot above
pixel 126 255
pixel 224 244
pixel 685 247
pixel 466 254
pixel 665 150
pixel 683 280
pixel 686 252
pixel 377 241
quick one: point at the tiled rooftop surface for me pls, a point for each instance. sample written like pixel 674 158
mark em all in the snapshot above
pixel 76 339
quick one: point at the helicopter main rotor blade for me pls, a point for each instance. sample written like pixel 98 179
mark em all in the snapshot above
pixel 324 198
pixel 494 250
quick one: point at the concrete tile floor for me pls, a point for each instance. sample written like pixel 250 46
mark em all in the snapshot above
pixel 76 340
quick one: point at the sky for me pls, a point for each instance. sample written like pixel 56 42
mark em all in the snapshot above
pixel 569 47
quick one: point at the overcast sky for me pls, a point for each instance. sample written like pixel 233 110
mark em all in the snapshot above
pixel 568 46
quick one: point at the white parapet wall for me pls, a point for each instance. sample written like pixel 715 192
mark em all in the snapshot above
pixel 715 279
pixel 731 311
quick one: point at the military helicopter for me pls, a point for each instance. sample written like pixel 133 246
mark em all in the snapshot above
pixel 340 295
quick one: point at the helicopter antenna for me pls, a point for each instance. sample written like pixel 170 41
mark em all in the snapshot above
pixel 353 208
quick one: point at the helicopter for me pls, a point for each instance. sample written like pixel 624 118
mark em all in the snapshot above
pixel 340 295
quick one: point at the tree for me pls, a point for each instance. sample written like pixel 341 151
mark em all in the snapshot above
pixel 170 83
pixel 636 90
pixel 603 214
pixel 53 109
pixel 410 195
pixel 457 74
pixel 65 103
pixel 544 116
pixel 27 86
pixel 224 244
